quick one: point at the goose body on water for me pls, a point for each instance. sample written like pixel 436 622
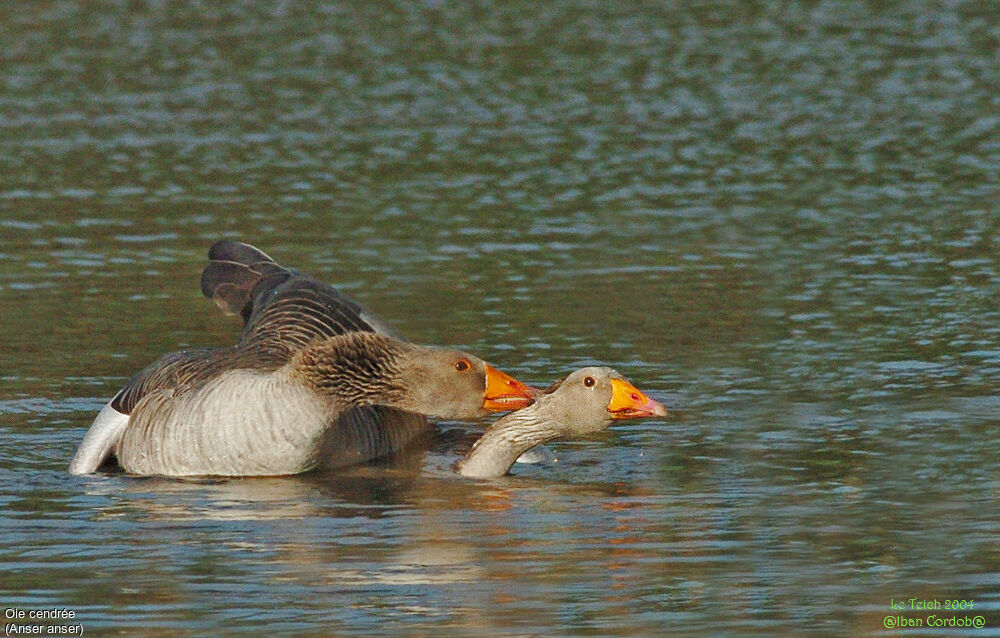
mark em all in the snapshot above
pixel 586 401
pixel 313 381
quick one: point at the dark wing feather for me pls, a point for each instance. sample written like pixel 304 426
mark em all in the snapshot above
pixel 167 372
pixel 237 251
pixel 235 271
pixel 282 308
pixel 299 310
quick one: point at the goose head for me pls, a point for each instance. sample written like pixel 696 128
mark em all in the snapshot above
pixel 591 399
pixel 368 368
pixel 449 383
pixel 586 401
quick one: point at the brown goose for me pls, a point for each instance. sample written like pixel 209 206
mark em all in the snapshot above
pixel 314 380
pixel 586 401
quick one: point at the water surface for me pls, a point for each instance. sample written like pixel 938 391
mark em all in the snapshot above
pixel 779 219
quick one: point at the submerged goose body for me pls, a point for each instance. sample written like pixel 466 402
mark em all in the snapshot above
pixel 313 381
pixel 586 401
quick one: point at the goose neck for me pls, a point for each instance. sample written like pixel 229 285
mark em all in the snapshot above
pixel 353 369
pixel 510 437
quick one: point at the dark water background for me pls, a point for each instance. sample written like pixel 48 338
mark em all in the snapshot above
pixel 780 218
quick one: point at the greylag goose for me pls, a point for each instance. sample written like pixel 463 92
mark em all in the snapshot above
pixel 313 381
pixel 585 401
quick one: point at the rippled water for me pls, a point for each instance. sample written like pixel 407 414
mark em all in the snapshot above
pixel 781 219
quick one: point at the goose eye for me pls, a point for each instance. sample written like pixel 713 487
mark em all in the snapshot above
pixel 589 382
pixel 462 365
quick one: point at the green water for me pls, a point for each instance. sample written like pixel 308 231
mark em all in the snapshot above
pixel 781 219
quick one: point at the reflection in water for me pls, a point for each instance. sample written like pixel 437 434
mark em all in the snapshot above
pixel 781 218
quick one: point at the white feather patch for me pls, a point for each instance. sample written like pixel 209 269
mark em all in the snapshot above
pixel 99 441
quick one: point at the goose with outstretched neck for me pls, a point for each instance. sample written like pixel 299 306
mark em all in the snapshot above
pixel 586 401
pixel 314 381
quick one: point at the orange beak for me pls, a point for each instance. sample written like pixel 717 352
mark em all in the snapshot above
pixel 504 392
pixel 627 402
